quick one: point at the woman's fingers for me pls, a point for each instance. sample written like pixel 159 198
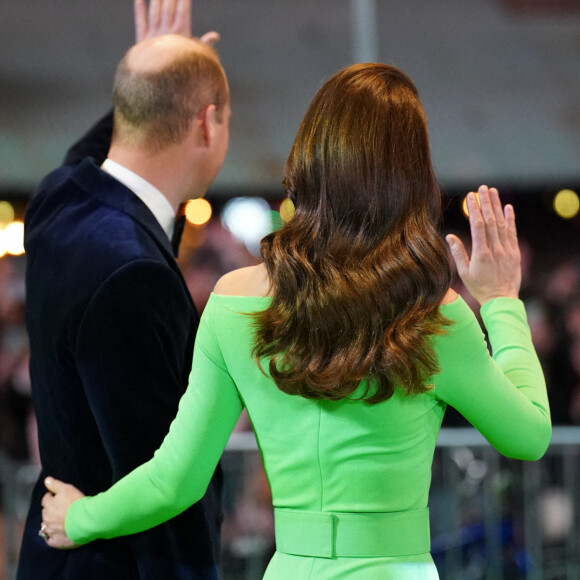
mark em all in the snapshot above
pixel 476 225
pixel 489 213
pixel 459 254
pixel 511 230
pixel 496 206
pixel 500 219
pixel 487 217
pixel 493 269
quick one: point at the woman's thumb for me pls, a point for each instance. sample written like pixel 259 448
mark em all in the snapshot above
pixel 53 485
pixel 458 252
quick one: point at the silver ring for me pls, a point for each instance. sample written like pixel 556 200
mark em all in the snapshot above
pixel 42 532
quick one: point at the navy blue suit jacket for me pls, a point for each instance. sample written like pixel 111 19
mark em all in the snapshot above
pixel 111 326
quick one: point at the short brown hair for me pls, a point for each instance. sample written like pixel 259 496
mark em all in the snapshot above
pixel 155 108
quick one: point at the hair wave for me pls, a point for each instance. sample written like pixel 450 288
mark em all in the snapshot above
pixel 358 273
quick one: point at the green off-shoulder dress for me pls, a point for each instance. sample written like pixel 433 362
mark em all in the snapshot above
pixel 349 480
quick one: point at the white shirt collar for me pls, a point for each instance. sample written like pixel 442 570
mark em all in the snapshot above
pixel 147 193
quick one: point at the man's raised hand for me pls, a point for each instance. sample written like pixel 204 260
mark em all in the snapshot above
pixel 166 17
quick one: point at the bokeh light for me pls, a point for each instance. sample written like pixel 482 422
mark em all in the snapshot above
pixel 287 209
pixel 13 238
pixel 464 205
pixel 198 211
pixel 567 203
pixel 249 220
pixel 277 221
pixel 6 212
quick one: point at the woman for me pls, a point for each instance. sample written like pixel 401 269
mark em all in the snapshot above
pixel 345 346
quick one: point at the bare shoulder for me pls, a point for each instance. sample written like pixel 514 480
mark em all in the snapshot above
pixel 250 281
pixel 450 296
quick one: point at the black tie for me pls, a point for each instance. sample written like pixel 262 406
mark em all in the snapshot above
pixel 177 233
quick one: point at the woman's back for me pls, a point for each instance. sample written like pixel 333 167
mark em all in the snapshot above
pixel 323 447
pixel 348 456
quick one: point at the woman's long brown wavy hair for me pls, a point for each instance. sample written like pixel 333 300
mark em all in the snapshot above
pixel 358 273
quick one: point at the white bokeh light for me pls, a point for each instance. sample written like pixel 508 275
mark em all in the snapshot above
pixel 13 238
pixel 249 220
pixel 2 243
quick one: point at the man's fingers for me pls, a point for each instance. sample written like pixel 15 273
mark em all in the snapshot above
pixel 167 17
pixel 154 18
pixel 459 254
pixel 182 21
pixel 175 17
pixel 140 13
pixel 210 38
pixel 168 13
pixel 162 17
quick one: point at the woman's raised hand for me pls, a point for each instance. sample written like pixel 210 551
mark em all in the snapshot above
pixel 494 268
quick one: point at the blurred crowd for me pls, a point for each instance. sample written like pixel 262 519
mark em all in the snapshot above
pixel 17 426
pixel 554 314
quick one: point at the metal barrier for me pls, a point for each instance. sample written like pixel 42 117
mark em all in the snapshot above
pixel 492 518
pixel 499 519
pixel 16 482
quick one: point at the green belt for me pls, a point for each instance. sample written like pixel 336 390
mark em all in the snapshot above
pixel 365 535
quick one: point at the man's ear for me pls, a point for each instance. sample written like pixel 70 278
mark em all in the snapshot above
pixel 205 121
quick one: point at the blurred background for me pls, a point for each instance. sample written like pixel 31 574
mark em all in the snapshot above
pixel 500 82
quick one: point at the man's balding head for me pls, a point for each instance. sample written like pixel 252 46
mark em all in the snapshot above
pixel 160 85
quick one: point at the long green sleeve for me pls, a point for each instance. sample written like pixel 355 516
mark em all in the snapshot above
pixel 505 397
pixel 179 473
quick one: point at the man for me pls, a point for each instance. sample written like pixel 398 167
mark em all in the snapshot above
pixel 110 320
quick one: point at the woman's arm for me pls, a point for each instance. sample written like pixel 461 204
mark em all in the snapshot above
pixel 504 397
